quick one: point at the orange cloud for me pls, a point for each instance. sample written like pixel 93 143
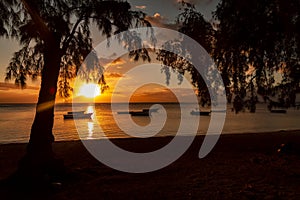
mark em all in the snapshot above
pixel 157 15
pixel 112 62
pixel 11 93
pixel 163 95
pixel 160 21
pixel 141 7
pixel 113 75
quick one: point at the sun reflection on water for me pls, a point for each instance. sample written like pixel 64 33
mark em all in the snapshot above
pixel 91 109
pixel 90 130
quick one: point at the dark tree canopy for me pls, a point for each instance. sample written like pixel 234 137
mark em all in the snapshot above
pixel 257 41
pixel 255 45
pixel 192 24
pixel 68 22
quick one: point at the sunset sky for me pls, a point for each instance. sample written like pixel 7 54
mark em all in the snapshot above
pixel 160 14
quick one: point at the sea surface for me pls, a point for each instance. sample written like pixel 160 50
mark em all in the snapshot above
pixel 16 121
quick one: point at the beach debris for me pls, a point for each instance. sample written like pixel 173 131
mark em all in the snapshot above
pixel 285 148
pixel 56 185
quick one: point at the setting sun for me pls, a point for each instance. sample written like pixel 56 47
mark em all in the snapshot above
pixel 90 90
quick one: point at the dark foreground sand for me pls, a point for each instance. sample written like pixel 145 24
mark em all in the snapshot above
pixel 245 166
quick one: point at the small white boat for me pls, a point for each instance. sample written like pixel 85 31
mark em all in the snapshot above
pixel 78 115
pixel 219 111
pixel 144 112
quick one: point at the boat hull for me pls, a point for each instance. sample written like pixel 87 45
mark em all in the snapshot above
pixel 137 113
pixel 201 113
pixel 78 116
pixel 123 112
pixel 279 111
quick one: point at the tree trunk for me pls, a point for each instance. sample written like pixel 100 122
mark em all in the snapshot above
pixel 39 160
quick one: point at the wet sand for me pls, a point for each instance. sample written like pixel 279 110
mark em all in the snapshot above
pixel 241 166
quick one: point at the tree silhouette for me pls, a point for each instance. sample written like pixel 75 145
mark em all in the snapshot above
pixel 192 24
pixel 257 41
pixel 252 43
pixel 55 38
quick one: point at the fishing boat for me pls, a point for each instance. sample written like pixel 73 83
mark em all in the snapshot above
pixel 78 115
pixel 123 112
pixel 201 113
pixel 144 112
pixel 219 111
pixel 283 111
pixel 75 112
pixel 152 109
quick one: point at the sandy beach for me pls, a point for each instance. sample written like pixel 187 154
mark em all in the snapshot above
pixel 241 166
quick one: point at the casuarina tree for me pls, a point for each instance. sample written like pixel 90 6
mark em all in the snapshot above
pixel 254 44
pixel 257 48
pixel 55 37
pixel 190 22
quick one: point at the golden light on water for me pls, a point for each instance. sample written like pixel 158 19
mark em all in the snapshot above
pixel 90 90
pixel 90 130
pixel 91 109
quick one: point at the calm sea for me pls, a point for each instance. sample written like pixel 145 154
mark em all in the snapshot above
pixel 16 120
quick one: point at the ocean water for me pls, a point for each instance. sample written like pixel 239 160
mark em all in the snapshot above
pixel 16 120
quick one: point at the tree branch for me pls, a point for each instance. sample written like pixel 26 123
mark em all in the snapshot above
pixel 71 34
pixel 41 26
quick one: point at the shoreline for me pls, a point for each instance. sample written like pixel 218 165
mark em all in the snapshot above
pixel 167 136
pixel 240 166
